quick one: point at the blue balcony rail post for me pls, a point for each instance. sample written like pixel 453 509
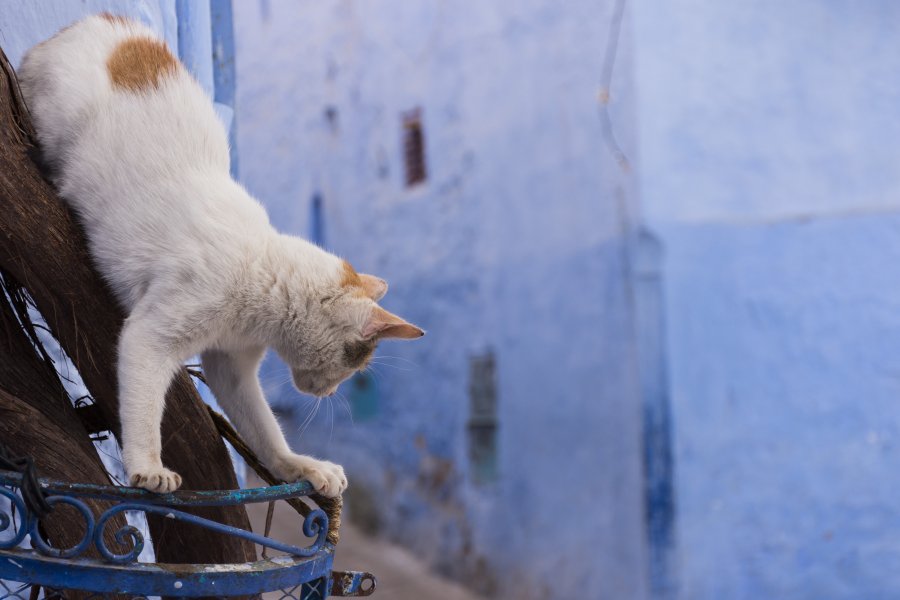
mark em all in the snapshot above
pixel 224 69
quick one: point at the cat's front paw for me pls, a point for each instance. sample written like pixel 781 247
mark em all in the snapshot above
pixel 326 477
pixel 156 479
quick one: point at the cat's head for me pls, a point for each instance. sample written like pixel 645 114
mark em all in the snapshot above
pixel 340 328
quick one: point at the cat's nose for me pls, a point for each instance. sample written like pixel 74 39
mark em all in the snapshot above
pixel 327 392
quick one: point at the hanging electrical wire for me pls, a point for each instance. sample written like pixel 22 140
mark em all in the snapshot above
pixel 604 95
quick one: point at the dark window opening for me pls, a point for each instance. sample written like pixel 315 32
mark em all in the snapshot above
pixel 414 148
pixel 483 424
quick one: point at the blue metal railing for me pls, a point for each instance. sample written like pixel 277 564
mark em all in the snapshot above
pixel 303 572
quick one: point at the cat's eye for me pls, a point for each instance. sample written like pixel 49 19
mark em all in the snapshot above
pixel 357 353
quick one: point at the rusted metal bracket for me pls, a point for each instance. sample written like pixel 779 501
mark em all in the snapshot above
pixel 352 584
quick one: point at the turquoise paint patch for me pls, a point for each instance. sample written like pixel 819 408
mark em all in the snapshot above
pixel 362 394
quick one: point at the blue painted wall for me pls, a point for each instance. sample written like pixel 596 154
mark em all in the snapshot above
pixel 516 243
pixel 770 174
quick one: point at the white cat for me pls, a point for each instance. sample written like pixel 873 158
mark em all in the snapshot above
pixel 135 147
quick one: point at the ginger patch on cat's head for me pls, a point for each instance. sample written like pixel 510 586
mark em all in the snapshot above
pixel 363 285
pixel 349 276
pixel 140 63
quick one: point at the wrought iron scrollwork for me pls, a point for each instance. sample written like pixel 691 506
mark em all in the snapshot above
pixel 315 525
pixel 304 570
pixel 7 520
pixel 42 546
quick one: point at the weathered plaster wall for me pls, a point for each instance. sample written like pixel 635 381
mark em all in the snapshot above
pixel 515 244
pixel 767 110
pixel 784 384
pixel 769 171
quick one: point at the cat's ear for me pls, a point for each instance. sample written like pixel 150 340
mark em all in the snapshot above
pixel 384 325
pixel 374 287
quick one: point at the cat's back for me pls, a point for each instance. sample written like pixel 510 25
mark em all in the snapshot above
pixel 135 146
pixel 109 90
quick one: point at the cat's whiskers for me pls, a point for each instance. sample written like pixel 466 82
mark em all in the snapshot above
pixel 311 415
pixel 342 398
pixel 375 362
pixel 375 374
pixel 276 380
pixel 406 360
pixel 331 413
